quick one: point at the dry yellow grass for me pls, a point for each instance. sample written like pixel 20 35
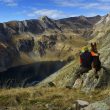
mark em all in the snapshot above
pixel 37 98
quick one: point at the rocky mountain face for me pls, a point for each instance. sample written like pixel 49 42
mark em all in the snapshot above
pixel 39 26
pixel 25 45
pixel 76 24
pixel 101 31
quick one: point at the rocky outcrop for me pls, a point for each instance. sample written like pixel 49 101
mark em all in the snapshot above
pixel 25 45
pixel 84 105
pixel 7 56
pixel 80 104
pixel 99 105
pixel 47 42
pixel 88 82
pixel 48 23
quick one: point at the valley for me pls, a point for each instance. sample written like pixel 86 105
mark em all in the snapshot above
pixel 44 40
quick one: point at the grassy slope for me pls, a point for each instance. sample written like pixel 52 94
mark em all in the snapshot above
pixel 62 77
pixel 37 98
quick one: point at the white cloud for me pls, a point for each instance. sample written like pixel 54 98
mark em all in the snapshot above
pixel 99 4
pixel 9 2
pixel 55 14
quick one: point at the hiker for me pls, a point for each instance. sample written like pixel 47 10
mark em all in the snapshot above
pixel 85 63
pixel 96 64
pixel 88 60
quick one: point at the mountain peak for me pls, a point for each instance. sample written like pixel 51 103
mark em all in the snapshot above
pixel 108 14
pixel 82 18
pixel 44 18
pixel 104 20
pixel 107 18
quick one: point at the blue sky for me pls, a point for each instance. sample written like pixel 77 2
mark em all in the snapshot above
pixel 56 9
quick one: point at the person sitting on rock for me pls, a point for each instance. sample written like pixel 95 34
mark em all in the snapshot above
pixel 86 60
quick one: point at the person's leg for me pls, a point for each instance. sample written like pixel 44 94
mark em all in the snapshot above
pixel 80 72
pixel 83 70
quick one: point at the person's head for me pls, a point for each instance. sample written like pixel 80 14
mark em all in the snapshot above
pixel 84 49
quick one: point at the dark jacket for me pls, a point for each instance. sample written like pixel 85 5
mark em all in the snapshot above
pixel 86 59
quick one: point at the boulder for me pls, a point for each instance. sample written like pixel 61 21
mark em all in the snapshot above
pixel 79 104
pixel 90 82
pixel 51 84
pixel 97 106
pixel 78 83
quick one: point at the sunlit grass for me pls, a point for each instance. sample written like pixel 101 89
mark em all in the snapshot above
pixel 33 97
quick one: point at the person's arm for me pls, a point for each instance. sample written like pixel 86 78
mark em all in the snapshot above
pixel 80 60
